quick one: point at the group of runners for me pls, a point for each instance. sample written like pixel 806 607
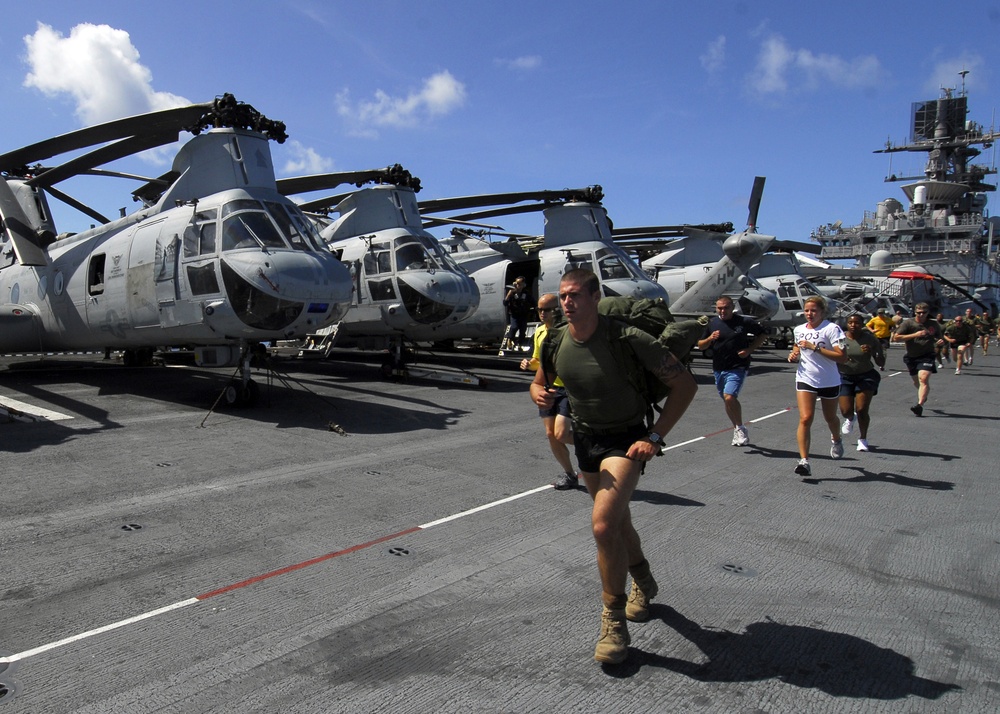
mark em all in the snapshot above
pixel 587 400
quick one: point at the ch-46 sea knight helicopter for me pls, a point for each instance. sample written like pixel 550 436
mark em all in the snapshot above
pixel 577 234
pixel 217 259
pixel 704 262
pixel 406 287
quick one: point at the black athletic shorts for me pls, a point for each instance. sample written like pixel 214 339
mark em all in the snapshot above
pixel 851 384
pixel 592 449
pixel 924 363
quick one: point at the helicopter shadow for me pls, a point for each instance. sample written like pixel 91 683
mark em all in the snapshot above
pixel 838 664
pixel 865 476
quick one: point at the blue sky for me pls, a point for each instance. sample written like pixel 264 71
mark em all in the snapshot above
pixel 672 107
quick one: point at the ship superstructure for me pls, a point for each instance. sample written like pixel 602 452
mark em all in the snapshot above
pixel 945 231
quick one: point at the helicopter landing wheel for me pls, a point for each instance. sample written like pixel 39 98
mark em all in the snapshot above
pixel 241 395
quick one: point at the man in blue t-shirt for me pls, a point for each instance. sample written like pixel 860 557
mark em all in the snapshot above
pixel 733 338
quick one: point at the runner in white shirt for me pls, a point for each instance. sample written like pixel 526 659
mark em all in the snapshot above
pixel 819 348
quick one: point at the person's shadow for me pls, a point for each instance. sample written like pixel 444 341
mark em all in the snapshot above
pixel 838 664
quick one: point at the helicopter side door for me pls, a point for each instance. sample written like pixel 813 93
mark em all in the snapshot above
pixel 149 262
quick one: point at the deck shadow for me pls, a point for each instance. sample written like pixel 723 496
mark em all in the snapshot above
pixel 865 476
pixel 838 664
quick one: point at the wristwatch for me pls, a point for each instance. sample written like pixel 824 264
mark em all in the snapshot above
pixel 655 438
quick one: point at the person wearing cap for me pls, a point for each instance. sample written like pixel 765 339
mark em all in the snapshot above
pixel 881 324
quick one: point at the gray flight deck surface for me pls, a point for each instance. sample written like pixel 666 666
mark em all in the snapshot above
pixel 261 560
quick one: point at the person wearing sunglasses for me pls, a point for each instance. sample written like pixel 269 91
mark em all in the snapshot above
pixel 556 418
pixel 920 335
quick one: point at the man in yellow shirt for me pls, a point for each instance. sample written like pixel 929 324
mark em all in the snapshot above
pixel 556 419
pixel 881 324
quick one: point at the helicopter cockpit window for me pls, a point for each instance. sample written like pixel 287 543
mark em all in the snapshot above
pixel 378 259
pixel 250 229
pixel 199 235
pixel 439 255
pixel 411 255
pixel 579 261
pixel 381 289
pixel 616 265
pixel 302 234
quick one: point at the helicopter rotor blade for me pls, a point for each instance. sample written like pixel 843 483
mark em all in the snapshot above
pixel 394 174
pixel 159 123
pixel 434 221
pixel 73 203
pixel 103 155
pixel 754 205
pixel 589 194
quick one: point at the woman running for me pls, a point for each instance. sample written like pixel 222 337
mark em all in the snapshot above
pixel 819 348
pixel 859 379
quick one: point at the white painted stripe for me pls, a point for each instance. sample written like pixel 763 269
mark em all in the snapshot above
pixel 484 507
pixel 683 443
pixel 768 416
pixel 192 601
pixel 16 406
pixel 98 631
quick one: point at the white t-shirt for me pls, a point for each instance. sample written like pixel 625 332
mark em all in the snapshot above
pixel 818 370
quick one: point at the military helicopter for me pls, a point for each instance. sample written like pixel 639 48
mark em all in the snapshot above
pixel 216 259
pixel 577 234
pixel 406 287
pixel 703 262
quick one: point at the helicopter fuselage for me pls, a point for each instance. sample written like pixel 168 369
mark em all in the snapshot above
pixel 239 265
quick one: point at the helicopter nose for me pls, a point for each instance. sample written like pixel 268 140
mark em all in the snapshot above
pixel 438 296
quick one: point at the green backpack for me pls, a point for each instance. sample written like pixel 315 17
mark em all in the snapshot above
pixel 652 317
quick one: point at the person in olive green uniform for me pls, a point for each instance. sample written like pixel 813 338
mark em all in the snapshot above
pixel 859 379
pixel 612 442
pixel 959 336
pixel 920 334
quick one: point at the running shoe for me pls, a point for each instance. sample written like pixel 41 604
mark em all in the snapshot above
pixel 862 444
pixel 917 409
pixel 803 468
pixel 837 449
pixel 740 436
pixel 848 427
pixel 565 482
pixel 958 371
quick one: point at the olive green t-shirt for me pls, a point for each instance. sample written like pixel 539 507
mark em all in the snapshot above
pixel 919 346
pixel 600 394
pixel 858 361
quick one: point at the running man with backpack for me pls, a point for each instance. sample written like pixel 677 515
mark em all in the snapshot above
pixel 612 440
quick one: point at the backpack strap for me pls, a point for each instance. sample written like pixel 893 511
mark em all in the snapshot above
pixel 550 345
pixel 628 361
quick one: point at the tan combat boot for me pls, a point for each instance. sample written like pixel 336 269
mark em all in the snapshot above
pixel 612 645
pixel 643 590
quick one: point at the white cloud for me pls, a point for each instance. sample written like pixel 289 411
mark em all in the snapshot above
pixel 440 94
pixel 99 68
pixel 714 57
pixel 524 63
pixel 946 73
pixel 781 68
pixel 303 160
